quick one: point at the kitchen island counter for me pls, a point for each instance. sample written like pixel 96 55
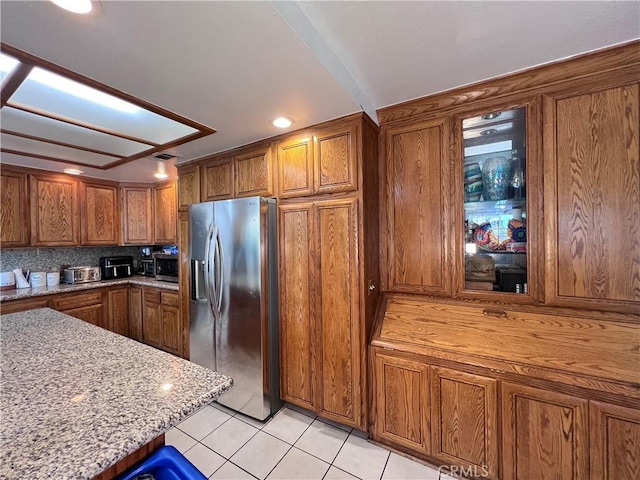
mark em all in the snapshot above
pixel 75 398
pixel 22 293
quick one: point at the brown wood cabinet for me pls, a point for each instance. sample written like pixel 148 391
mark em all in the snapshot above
pixel 464 420
pixel 184 279
pixel 118 310
pixel 545 434
pixel 88 306
pixel 614 441
pixel 135 313
pixel 592 195
pixel 161 321
pixel 93 314
pixel 402 402
pixel 295 166
pixel 14 211
pixel 188 186
pixel 100 214
pixel 253 173
pixel 217 179
pixel 14 306
pixel 137 216
pixel 55 212
pixel 165 213
pixel 417 208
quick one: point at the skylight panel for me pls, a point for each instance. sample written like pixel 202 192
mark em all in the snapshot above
pixel 7 65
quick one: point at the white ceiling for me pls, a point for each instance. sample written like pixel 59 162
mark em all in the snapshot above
pixel 235 65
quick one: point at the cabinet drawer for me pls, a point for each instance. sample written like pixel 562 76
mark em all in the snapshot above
pixel 170 299
pixel 76 300
pixel 151 295
pixel 22 305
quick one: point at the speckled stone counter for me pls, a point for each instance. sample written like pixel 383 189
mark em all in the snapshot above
pixel 21 293
pixel 75 398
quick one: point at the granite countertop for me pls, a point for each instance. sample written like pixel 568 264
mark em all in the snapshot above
pixel 20 293
pixel 76 398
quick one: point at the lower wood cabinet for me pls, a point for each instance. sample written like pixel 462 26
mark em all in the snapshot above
pixel 161 322
pixel 614 441
pixel 135 313
pixel 544 434
pixel 118 310
pixel 464 420
pixel 152 318
pixel 93 314
pixel 88 306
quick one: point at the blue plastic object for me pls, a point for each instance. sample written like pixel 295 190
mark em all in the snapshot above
pixel 166 463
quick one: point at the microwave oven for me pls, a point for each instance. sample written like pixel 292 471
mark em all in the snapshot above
pixel 166 267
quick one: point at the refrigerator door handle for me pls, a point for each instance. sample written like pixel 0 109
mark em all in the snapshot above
pixel 219 271
pixel 196 268
pixel 209 285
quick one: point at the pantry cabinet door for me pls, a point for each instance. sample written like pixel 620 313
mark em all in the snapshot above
pixel 592 197
pixel 296 287
pixel 55 216
pixel 14 211
pixel 100 214
pixel 417 187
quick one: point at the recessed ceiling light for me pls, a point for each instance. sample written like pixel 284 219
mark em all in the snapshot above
pixel 160 175
pixel 75 6
pixel 282 122
pixel 73 171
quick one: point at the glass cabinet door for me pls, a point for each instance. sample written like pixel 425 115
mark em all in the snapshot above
pixel 495 201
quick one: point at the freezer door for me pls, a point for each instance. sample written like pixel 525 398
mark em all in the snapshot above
pixel 242 325
pixel 201 317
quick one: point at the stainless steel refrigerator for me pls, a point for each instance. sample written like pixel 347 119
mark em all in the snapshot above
pixel 234 299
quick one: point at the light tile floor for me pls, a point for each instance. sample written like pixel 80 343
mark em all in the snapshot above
pixel 294 444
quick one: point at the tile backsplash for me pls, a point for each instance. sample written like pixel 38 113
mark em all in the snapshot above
pixel 50 259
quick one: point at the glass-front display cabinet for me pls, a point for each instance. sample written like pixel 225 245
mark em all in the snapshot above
pixel 495 201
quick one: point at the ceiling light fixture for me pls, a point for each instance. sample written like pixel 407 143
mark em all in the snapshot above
pixel 161 173
pixel 282 122
pixel 77 89
pixel 491 116
pixel 75 6
pixel 7 63
pixel 73 171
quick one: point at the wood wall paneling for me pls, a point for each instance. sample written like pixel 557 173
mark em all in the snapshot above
pixel 14 211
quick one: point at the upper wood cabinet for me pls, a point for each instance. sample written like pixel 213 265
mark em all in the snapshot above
pixel 544 434
pixel 216 178
pixel 188 186
pixel 295 166
pixel 14 211
pixel 592 196
pixel 253 173
pixel 417 182
pixel 137 217
pixel 615 442
pixel 319 161
pixel 100 214
pixel 55 215
pixel 165 212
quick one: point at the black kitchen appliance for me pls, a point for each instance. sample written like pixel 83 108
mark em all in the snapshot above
pixel 116 267
pixel 166 267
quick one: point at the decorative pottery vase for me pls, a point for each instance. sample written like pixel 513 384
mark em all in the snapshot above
pixel 496 178
pixel 472 182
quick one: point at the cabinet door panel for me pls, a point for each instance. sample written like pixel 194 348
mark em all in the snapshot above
pixel 14 212
pixel 188 186
pixel 339 368
pixel 464 420
pixel 593 197
pixel 335 155
pixel 417 185
pixel 253 173
pixel 135 313
pixel 171 329
pixel 55 219
pixel 93 314
pixel 544 434
pixel 615 442
pixel 295 168
pixel 118 310
pixel 402 402
pixel 152 324
pixel 296 310
pixel 136 215
pixel 100 215
pixel 165 213
pixel 217 180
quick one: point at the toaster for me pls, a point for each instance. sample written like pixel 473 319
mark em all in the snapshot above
pixel 81 275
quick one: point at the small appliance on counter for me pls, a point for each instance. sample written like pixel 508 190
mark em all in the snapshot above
pixel 147 268
pixel 81 274
pixel 166 267
pixel 116 267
